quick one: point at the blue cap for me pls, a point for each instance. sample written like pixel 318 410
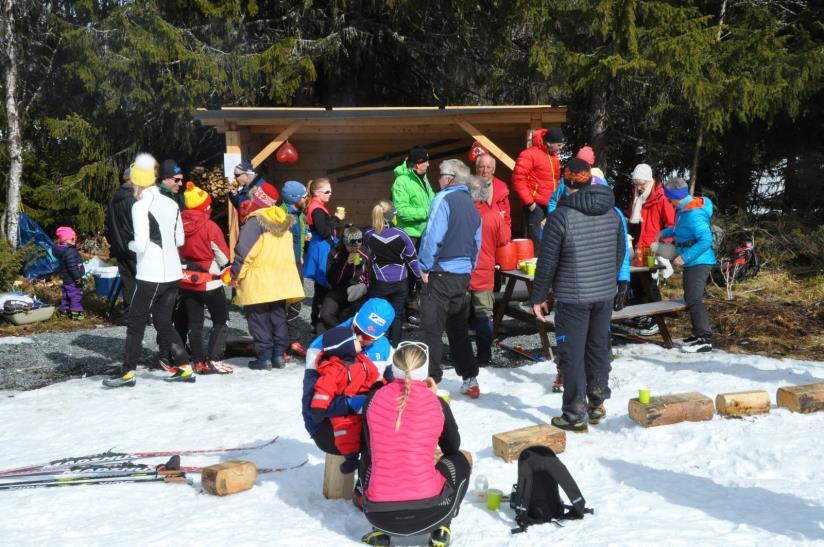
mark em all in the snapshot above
pixel 374 317
pixel 292 191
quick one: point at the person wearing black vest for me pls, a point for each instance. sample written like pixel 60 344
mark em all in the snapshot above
pixel 449 252
pixel 119 232
pixel 581 252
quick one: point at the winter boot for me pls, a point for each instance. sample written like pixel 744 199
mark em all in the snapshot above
pixel 691 339
pixel 121 380
pixel 78 316
pixel 260 364
pixel 596 413
pixel 470 388
pixel 376 537
pixel 184 374
pixel 576 426
pixel 701 344
pixel 441 537
pixel 349 464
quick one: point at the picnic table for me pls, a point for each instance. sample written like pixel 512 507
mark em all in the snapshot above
pixel 504 307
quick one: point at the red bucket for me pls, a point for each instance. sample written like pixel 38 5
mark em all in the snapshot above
pixel 506 257
pixel 524 249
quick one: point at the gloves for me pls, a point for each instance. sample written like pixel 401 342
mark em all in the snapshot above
pixel 355 292
pixel 356 403
pixel 620 296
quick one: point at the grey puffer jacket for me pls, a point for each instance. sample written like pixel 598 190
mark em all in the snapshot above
pixel 582 249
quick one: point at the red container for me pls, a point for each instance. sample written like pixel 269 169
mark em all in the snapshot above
pixel 524 249
pixel 506 257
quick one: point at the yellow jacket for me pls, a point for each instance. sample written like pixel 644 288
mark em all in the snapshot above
pixel 266 259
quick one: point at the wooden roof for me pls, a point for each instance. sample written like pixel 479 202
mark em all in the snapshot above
pixel 260 120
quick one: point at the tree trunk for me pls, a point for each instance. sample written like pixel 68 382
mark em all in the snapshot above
pixel 694 169
pixel 598 131
pixel 12 213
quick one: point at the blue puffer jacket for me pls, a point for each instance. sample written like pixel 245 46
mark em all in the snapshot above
pixel 692 232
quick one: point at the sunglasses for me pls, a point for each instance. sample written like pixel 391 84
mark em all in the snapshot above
pixel 178 180
pixel 354 242
pixel 324 191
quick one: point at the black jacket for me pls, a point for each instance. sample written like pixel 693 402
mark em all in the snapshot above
pixel 582 249
pixel 70 267
pixel 118 227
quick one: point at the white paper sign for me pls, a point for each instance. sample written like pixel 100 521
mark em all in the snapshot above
pixel 229 163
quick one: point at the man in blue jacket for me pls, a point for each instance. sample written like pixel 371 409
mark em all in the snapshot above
pixel 693 239
pixel 449 251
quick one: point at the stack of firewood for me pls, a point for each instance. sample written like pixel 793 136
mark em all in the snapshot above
pixel 211 180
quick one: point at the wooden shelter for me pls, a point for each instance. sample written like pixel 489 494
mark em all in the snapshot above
pixel 358 148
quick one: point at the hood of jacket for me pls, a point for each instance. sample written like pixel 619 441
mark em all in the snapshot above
pixel 592 200
pixel 274 219
pixel 194 220
pixel 538 138
pixel 404 169
pixel 693 203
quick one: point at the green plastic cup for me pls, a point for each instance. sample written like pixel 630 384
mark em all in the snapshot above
pixel 643 396
pixel 530 269
pixel 493 499
pixel 651 261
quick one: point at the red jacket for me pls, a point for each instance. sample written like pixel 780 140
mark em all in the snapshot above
pixel 536 172
pixel 338 377
pixel 205 248
pixel 500 199
pixel 656 214
pixel 494 233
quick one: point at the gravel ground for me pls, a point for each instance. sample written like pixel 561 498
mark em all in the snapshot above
pixel 38 360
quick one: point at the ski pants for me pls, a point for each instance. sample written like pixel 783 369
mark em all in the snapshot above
pixel 267 326
pixel 317 303
pixel 582 332
pixel 410 518
pixel 336 309
pixel 157 300
pixel 695 281
pixel 126 269
pixel 72 294
pixel 324 437
pixel 533 223
pixel 414 284
pixel 444 305
pixel 195 303
pixel 396 293
pixel 482 305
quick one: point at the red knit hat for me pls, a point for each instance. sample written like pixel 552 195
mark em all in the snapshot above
pixel 587 154
pixel 265 195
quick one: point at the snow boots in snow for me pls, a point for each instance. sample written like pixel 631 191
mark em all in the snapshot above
pixel 121 380
pixel 470 388
pixel 596 413
pixel 576 426
pixel 696 344
pixel 183 374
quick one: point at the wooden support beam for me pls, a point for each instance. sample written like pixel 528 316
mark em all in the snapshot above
pixel 336 485
pixel 486 142
pixel 671 409
pixel 275 144
pixel 804 398
pixel 510 444
pixel 743 403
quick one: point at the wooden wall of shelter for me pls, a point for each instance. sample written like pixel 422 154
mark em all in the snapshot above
pixel 358 148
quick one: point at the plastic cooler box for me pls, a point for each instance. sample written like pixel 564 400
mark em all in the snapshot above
pixel 105 279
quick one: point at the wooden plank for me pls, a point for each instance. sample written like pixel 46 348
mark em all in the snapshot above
pixel 510 444
pixel 650 308
pixel 229 477
pixel 276 142
pixel 743 403
pixel 336 485
pixel 672 409
pixel 486 142
pixel 805 398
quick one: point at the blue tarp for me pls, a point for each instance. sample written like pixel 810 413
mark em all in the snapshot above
pixel 29 230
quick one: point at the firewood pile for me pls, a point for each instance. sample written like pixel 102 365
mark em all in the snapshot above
pixel 211 180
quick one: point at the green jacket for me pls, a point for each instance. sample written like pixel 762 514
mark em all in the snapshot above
pixel 412 196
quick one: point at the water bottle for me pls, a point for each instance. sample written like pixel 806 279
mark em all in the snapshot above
pixel 481 486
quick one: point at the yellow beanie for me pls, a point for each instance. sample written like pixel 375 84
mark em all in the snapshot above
pixel 195 197
pixel 142 171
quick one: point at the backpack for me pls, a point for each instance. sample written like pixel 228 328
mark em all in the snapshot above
pixel 742 264
pixel 535 498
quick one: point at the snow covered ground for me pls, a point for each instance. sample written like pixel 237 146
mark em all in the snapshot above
pixel 755 481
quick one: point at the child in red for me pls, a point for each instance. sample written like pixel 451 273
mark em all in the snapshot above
pixel 343 371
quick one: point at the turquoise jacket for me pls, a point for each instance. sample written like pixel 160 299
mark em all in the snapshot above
pixel 692 232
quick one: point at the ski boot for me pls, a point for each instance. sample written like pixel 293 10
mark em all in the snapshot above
pixel 441 537
pixel 376 537
pixel 77 316
pixel 121 380
pixel 470 388
pixel 183 374
pixel 596 413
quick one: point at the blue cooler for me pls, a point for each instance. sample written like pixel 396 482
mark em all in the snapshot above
pixel 105 279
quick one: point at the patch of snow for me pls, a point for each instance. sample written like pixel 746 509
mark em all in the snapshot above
pixel 15 340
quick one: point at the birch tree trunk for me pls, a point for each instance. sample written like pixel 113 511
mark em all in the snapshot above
pixel 11 215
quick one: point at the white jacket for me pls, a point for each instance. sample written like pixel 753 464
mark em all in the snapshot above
pixel 158 232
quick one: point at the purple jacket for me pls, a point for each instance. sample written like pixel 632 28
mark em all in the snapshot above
pixel 392 251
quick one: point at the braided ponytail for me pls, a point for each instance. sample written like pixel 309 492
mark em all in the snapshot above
pixel 407 359
pixel 402 400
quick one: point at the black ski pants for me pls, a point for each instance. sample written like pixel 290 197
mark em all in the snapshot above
pixel 317 303
pixel 396 293
pixel 324 438
pixel 336 309
pixel 267 326
pixel 582 332
pixel 196 302
pixel 533 223
pixel 695 282
pixel 126 269
pixel 444 305
pixel 411 518
pixel 157 300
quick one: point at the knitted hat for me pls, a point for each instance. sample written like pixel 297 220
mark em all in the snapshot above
pixel 64 233
pixel 340 341
pixel 245 166
pixel 264 195
pixel 168 169
pixel 642 171
pixel 292 191
pixel 195 197
pixel 554 134
pixel 417 155
pixel 142 171
pixel 587 154
pixel 352 233
pixel 577 173
pixel 676 188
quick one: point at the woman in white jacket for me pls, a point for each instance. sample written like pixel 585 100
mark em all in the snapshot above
pixel 158 232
